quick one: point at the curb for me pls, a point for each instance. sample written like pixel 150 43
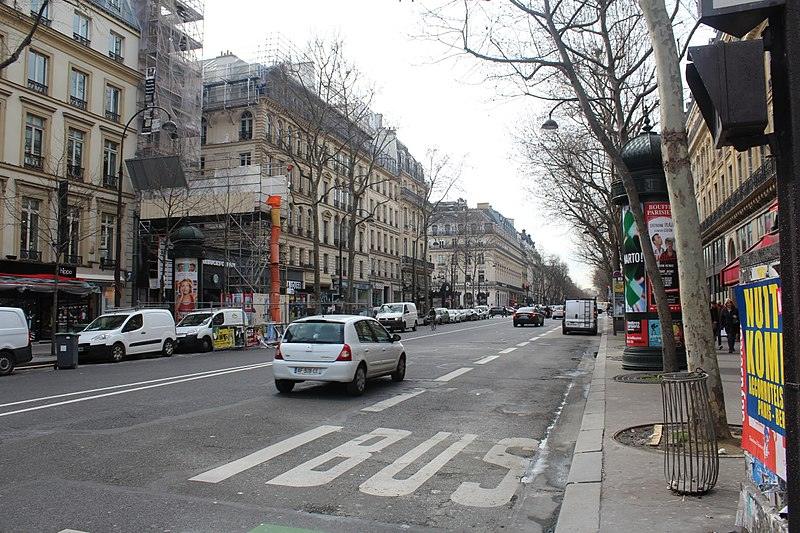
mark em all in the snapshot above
pixel 580 508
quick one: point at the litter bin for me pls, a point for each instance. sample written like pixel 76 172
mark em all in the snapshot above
pixel 66 350
pixel 691 460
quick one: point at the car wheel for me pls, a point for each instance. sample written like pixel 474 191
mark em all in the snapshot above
pixel 516 325
pixel 564 331
pixel 6 363
pixel 169 348
pixel 415 326
pixel 400 373
pixel 207 345
pixel 117 352
pixel 359 383
pixel 284 386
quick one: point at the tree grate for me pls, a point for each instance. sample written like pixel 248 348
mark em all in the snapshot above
pixel 646 378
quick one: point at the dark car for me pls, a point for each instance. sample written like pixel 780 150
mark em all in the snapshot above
pixel 528 315
pixel 494 311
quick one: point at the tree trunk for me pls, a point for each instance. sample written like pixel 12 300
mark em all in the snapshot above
pixel 699 339
pixel 317 266
pixel 352 225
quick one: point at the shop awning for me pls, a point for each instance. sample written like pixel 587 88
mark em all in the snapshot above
pixel 46 283
pixel 730 274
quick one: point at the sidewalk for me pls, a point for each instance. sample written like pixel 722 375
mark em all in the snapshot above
pixel 41 355
pixel 613 487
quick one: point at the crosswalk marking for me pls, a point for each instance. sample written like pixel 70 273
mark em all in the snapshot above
pixel 523 344
pixel 453 374
pixel 486 359
pixel 507 350
pixel 265 454
pixel 385 404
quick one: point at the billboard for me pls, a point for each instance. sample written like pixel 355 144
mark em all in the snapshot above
pixel 185 286
pixel 658 217
pixel 633 267
pixel 763 415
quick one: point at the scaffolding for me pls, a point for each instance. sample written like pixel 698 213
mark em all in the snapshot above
pixel 170 45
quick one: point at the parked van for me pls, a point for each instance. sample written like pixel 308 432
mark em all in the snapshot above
pixel 195 331
pixel 400 315
pixel 15 340
pixel 115 335
pixel 580 315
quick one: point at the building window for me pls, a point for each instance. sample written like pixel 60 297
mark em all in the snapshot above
pixel 361 269
pixel 107 227
pixel 325 225
pixel 202 162
pixel 203 131
pixel 71 252
pixel 299 220
pixel 291 255
pixel 114 4
pixel 325 263
pixel 36 5
pixel 244 159
pixel 113 101
pixel 37 72
pixel 80 28
pixel 110 151
pixel 29 229
pixel 75 142
pixel 269 128
pixel 77 88
pixel 34 142
pixel 246 126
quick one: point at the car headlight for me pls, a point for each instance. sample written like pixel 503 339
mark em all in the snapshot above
pixel 101 337
pixel 192 331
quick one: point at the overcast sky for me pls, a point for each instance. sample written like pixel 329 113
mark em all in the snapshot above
pixel 433 103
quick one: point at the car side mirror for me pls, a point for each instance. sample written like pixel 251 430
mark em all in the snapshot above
pixel 395 337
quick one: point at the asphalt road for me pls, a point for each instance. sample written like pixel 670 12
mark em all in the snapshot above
pixel 478 437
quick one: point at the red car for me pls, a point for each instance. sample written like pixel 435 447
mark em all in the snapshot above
pixel 528 315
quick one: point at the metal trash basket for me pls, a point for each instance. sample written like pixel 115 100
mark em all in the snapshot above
pixel 691 460
pixel 66 350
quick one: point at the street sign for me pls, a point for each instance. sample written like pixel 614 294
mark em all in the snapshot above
pixel 736 17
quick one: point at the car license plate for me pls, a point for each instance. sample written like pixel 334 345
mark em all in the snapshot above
pixel 522 316
pixel 308 371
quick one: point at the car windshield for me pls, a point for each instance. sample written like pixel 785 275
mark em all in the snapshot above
pixel 526 310
pixel 195 319
pixel 315 332
pixel 393 308
pixel 106 322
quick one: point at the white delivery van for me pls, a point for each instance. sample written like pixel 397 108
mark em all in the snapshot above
pixel 117 334
pixel 15 340
pixel 400 315
pixel 580 315
pixel 195 331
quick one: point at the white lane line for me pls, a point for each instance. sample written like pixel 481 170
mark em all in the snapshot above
pixel 446 333
pixel 385 404
pixel 486 359
pixel 453 374
pixel 88 391
pixel 263 455
pixel 523 344
pixel 507 350
pixel 115 393
pixel 534 339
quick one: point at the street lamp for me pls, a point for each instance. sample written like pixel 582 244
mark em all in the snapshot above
pixel 170 127
pixel 550 124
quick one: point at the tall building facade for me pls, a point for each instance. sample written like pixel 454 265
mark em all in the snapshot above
pixel 736 197
pixel 62 110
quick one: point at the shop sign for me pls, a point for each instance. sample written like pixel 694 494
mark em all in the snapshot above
pixel 763 415
pixel 293 286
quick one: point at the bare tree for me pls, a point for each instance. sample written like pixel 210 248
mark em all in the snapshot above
pixel 13 55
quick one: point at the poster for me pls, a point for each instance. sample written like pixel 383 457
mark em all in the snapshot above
pixel 636 333
pixel 658 217
pixel 223 337
pixel 655 333
pixel 763 415
pixel 633 267
pixel 619 296
pixel 185 287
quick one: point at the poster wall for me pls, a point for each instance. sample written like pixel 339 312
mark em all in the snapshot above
pixel 763 416
pixel 633 265
pixel 185 286
pixel 658 217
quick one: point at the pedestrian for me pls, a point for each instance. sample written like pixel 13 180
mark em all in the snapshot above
pixel 432 318
pixel 715 324
pixel 729 319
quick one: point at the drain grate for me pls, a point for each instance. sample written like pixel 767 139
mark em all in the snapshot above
pixel 651 378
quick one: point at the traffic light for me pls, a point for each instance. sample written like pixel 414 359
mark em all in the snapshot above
pixel 729 85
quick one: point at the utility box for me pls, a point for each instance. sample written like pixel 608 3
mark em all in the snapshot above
pixel 66 350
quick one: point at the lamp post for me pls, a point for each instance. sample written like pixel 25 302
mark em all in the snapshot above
pixel 172 129
pixel 550 124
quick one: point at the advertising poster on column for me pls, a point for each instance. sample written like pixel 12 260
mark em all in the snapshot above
pixel 658 217
pixel 763 415
pixel 633 269
pixel 655 333
pixel 185 286
pixel 636 333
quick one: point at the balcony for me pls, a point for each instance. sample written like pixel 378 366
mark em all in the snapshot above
pixel 107 263
pixel 85 41
pixel 44 20
pixel 757 180
pixel 74 101
pixel 112 115
pixel 36 86
pixel 110 181
pixel 73 259
pixel 75 172
pixel 34 161
pixel 116 57
pixel 30 255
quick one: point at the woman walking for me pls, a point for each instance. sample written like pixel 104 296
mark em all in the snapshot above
pixel 729 319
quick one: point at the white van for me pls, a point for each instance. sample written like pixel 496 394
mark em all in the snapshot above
pixel 15 340
pixel 117 334
pixel 195 331
pixel 580 315
pixel 400 315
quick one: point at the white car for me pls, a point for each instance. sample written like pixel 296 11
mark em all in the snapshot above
pixel 15 340
pixel 196 330
pixel 558 312
pixel 399 315
pixel 340 348
pixel 118 334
